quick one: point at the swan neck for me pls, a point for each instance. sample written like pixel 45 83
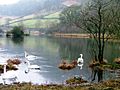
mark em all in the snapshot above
pixel 26 54
pixel 4 68
pixel 28 64
pixel 81 55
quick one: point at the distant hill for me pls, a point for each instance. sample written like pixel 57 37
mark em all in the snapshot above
pixel 26 7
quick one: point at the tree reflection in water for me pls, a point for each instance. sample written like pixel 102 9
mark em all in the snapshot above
pixel 18 40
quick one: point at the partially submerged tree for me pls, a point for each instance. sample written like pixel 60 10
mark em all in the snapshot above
pixel 97 19
pixel 101 19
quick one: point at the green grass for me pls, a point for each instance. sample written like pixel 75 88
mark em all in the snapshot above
pixel 40 23
pixel 36 23
pixel 54 15
pixel 29 23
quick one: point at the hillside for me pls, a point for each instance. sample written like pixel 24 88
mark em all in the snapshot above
pixel 34 13
pixel 27 7
pixel 36 21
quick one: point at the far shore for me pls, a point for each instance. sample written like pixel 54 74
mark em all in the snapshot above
pixel 72 35
pixel 82 35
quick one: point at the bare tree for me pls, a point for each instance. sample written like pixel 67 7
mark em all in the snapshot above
pixel 95 18
pixel 101 19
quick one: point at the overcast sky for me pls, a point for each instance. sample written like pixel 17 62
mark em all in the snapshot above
pixel 6 2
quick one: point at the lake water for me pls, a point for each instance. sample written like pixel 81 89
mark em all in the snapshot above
pixel 50 52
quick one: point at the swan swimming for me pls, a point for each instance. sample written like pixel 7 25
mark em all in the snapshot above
pixel 30 57
pixel 9 76
pixel 31 67
pixel 80 61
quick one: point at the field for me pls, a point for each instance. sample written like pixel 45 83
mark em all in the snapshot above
pixel 33 21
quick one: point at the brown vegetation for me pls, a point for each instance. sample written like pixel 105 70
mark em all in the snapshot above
pixel 8 67
pixel 67 66
pixel 106 85
pixel 94 63
pixel 13 61
pixel 75 80
pixel 117 60
pixel 72 35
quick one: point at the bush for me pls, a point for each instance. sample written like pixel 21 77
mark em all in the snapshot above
pixel 17 32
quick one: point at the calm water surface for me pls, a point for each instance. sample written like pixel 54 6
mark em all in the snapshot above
pixel 50 52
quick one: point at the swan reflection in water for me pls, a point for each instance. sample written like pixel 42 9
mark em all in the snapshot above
pixel 30 67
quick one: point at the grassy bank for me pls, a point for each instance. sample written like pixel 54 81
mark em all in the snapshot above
pixel 106 85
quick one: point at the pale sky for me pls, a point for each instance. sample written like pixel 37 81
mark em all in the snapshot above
pixel 6 2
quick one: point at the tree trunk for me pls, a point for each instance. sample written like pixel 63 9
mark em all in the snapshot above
pixel 100 75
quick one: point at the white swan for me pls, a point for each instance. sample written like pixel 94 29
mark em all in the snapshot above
pixel 30 57
pixel 80 61
pixel 9 76
pixel 31 67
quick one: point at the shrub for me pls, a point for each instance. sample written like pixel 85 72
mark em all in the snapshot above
pixel 17 32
